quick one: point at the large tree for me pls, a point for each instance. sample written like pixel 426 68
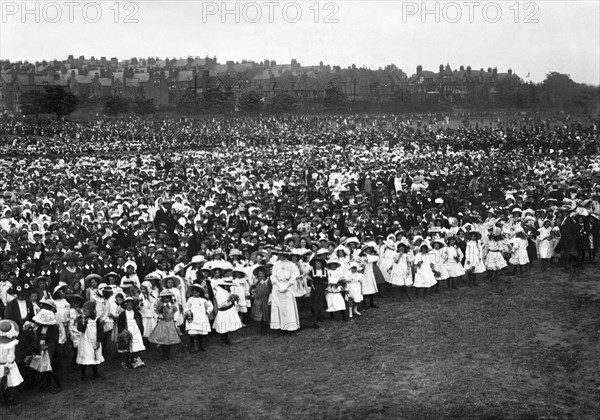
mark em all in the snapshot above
pixel 116 105
pixel 189 102
pixel 31 103
pixel 283 102
pixel 335 100
pixel 250 101
pixel 55 100
pixel 144 106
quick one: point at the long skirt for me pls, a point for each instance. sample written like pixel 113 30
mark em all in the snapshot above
pixel 284 311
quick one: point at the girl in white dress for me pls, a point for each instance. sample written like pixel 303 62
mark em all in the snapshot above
pixel 544 245
pixel 494 261
pixel 9 332
pixel 518 249
pixel 453 265
pixel 386 258
pixel 148 301
pixel 402 272
pixel 196 312
pixel 76 302
pixel 440 257
pixel 423 268
pixel 89 352
pixel 473 258
pixel 368 258
pixel 354 285
pixel 336 280
pixel 242 290
pixel 227 319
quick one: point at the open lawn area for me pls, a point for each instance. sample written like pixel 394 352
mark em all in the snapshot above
pixel 530 351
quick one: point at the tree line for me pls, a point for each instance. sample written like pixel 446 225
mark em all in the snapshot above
pixel 557 91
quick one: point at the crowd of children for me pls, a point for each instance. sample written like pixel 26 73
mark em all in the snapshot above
pixel 224 296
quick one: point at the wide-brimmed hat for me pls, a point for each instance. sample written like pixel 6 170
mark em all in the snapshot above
pixel 239 270
pixel 352 240
pixel 223 282
pixel 110 274
pixel 165 293
pixel 179 268
pixel 404 245
pixel 75 298
pixel 90 277
pixel 127 300
pixel 50 303
pixel 473 232
pixel 130 264
pixel 260 268
pixel 426 244
pixel 198 259
pixel 176 281
pixel 45 317
pixel 314 261
pixel 333 261
pixel 126 283
pixel 9 331
pixel 368 245
pixel 440 242
pixel 37 280
pixel 61 285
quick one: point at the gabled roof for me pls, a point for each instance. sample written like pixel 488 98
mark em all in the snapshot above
pixel 105 81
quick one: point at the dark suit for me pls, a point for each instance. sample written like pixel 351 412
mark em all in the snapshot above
pixel 25 338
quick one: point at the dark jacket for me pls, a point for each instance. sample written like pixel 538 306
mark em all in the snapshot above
pixel 122 321
pixel 82 325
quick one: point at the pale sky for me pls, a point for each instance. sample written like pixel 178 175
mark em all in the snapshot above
pixel 528 37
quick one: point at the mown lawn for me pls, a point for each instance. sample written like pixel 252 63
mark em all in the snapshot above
pixel 530 351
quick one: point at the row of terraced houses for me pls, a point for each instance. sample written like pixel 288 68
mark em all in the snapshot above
pixel 164 80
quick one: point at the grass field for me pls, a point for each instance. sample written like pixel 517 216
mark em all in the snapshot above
pixel 530 351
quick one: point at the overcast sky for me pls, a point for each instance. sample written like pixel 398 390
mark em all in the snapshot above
pixel 528 37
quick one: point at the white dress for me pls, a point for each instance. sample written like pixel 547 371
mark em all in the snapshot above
pixel 386 261
pixel 439 259
pixel 402 270
pixel 453 265
pixel 519 251
pixel 333 296
pixel 199 308
pixel 87 354
pixel 137 342
pixel 355 287
pixel 424 276
pixel 7 362
pixel 74 333
pixel 226 320
pixel 545 246
pixel 474 258
pixel 494 260
pixel 63 309
pixel 284 311
pixel 149 316
pixel 241 289
pixel 370 283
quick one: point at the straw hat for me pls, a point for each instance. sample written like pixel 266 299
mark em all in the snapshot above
pixel 45 317
pixel 9 331
pixel 176 281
